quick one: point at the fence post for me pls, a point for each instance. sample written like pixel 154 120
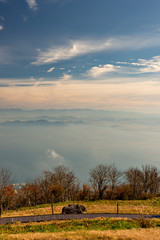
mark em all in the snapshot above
pixel 117 207
pixel 52 208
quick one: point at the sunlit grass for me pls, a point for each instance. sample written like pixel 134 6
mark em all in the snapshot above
pixel 74 225
pixel 135 234
pixel 134 207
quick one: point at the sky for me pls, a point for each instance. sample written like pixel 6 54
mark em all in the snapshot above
pixel 79 84
pixel 67 54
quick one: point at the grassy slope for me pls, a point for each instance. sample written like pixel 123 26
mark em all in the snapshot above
pixel 140 207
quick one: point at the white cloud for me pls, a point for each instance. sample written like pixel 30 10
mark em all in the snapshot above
pixel 144 66
pixel 149 66
pixel 32 4
pixel 55 156
pixel 66 77
pixel 51 69
pixel 1 27
pixel 102 69
pixel 73 49
pixel 76 48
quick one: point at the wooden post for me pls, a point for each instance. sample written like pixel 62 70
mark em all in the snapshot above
pixel 0 211
pixel 117 207
pixel 52 208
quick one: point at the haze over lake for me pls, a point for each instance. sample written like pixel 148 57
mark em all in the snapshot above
pixel 34 141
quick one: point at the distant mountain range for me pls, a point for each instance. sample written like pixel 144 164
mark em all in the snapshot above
pixel 41 122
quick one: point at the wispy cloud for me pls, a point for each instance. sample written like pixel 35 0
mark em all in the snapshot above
pixel 140 66
pixel 32 4
pixel 2 18
pixel 143 65
pixel 102 69
pixel 72 49
pixel 51 69
pixel 66 77
pixel 55 156
pixel 75 48
pixel 149 66
pixel 1 27
pixel 5 55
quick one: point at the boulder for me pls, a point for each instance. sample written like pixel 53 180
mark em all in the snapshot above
pixel 74 209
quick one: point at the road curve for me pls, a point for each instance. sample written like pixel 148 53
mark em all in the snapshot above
pixel 41 218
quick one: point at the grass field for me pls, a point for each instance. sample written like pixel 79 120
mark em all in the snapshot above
pixel 151 206
pixel 134 234
pixel 84 229
pixel 95 229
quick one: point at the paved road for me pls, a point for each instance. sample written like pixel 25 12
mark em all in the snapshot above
pixel 41 218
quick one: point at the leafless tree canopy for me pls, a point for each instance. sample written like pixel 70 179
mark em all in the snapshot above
pixel 145 180
pixel 133 177
pixel 6 179
pixel 104 177
pixel 99 178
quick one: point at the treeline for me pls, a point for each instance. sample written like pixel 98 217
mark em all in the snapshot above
pixel 61 184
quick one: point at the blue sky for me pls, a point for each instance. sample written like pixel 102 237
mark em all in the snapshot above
pixel 54 53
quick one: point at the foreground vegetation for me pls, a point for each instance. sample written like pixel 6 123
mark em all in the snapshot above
pixel 95 229
pixel 134 234
pixel 74 225
pixel 84 229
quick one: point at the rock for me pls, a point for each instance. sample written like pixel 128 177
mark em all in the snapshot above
pixel 74 209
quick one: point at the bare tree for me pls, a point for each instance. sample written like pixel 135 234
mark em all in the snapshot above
pixel 150 179
pixel 114 176
pixel 65 178
pixel 99 178
pixel 134 178
pixel 60 184
pixel 45 185
pixel 6 179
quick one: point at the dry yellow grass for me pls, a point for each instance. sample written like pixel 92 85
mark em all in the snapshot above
pixel 92 207
pixel 135 234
